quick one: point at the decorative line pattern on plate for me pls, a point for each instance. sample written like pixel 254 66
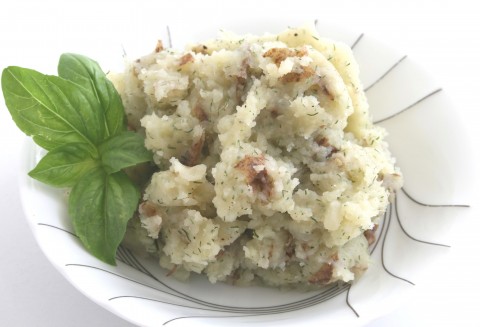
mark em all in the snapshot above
pixel 319 298
pixel 434 205
pixel 210 317
pixel 327 292
pixel 59 228
pixel 424 205
pixel 385 74
pixel 169 35
pixel 347 300
pixel 408 107
pixel 356 41
pixel 408 234
pixel 389 219
pixel 128 258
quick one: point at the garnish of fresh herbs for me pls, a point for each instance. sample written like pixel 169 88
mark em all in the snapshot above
pixel 78 117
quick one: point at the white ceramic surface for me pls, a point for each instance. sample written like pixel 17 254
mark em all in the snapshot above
pixel 425 137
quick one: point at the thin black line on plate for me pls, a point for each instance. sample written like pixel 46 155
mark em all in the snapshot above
pixel 326 295
pixel 288 307
pixel 141 268
pixel 236 310
pixel 190 317
pixel 245 310
pixel 433 205
pixel 133 262
pixel 323 296
pixel 120 256
pixel 186 298
pixel 348 302
pixel 56 227
pixel 169 35
pixel 381 230
pixel 356 41
pixel 383 252
pixel 118 275
pixel 408 234
pixel 386 73
pixel 123 257
pixel 409 107
pixel 171 303
pixel 318 298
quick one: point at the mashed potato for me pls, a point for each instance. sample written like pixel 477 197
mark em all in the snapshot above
pixel 269 166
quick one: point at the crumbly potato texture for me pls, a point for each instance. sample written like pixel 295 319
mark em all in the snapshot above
pixel 268 166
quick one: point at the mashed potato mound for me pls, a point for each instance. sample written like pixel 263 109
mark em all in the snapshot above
pixel 269 167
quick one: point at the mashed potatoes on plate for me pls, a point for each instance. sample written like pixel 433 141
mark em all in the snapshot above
pixel 269 168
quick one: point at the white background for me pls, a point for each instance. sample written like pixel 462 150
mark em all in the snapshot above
pixel 443 36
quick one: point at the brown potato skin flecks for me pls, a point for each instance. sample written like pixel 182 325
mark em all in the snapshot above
pixel 298 76
pixel 370 235
pixel 159 47
pixel 323 275
pixel 185 59
pixel 268 166
pixel 260 181
pixel 192 156
pixel 280 54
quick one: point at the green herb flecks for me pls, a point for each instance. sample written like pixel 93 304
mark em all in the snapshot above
pixel 79 118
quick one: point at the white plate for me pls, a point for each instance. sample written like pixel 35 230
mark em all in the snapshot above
pixel 424 135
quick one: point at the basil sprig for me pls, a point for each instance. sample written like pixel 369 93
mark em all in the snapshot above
pixel 79 118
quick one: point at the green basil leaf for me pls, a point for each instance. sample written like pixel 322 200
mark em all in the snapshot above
pixel 100 206
pixel 79 118
pixel 88 74
pixel 123 150
pixel 52 110
pixel 65 165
